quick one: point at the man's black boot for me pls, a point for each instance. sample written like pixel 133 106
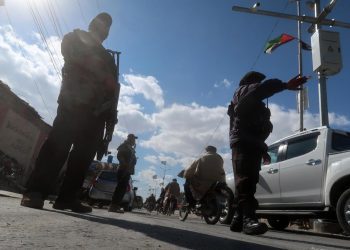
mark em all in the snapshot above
pixel 237 222
pixel 252 226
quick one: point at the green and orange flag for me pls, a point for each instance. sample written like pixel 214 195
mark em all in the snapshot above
pixel 275 43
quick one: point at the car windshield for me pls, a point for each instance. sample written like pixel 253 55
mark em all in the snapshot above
pixel 108 176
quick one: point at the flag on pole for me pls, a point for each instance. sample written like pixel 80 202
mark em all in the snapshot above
pixel 275 43
pixel 163 162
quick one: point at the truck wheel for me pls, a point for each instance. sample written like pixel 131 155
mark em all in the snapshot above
pixel 343 211
pixel 278 223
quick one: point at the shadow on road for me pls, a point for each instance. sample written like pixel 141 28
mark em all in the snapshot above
pixel 319 244
pixel 179 237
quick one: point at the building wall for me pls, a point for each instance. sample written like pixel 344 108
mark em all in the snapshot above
pixel 22 131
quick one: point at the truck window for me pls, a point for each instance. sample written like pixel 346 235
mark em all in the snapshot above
pixel 340 142
pixel 273 152
pixel 301 146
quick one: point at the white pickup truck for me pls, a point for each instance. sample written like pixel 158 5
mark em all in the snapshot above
pixel 308 177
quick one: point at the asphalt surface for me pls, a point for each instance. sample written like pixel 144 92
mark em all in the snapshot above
pixel 25 228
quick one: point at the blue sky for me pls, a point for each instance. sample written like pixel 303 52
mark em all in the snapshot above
pixel 180 64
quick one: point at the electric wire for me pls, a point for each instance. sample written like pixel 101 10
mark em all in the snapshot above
pixel 55 21
pixel 60 14
pixel 36 83
pixel 40 27
pixel 42 23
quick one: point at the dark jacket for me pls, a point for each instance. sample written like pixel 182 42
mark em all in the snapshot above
pixel 127 157
pixel 249 117
pixel 88 75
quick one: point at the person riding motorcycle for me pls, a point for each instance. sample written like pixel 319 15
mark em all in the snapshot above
pixel 172 191
pixel 150 202
pixel 202 174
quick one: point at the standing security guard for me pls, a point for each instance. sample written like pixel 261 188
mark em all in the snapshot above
pixel 127 161
pixel 89 83
pixel 249 128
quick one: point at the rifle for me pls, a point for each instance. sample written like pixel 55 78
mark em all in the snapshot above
pixel 109 129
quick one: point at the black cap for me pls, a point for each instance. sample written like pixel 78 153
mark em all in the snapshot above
pixel 210 149
pixel 132 136
pixel 102 19
pixel 252 77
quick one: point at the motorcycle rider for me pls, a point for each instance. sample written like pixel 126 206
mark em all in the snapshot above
pixel 150 202
pixel 172 191
pixel 202 174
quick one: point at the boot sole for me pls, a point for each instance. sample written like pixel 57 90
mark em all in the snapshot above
pixel 236 230
pixel 72 209
pixel 256 231
pixel 30 204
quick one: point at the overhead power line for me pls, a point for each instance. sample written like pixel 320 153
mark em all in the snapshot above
pixel 60 14
pixel 41 28
pixel 34 80
pixel 54 20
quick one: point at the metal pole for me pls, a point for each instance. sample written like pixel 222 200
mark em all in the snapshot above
pixel 300 69
pixel 305 19
pixel 322 87
pixel 164 176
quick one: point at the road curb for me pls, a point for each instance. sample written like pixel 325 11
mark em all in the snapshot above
pixel 10 194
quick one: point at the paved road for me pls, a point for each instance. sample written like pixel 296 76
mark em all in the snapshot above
pixel 25 228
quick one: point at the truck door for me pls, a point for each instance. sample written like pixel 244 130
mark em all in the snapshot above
pixel 302 171
pixel 268 189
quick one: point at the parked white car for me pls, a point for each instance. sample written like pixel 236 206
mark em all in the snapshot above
pixel 308 177
pixel 102 189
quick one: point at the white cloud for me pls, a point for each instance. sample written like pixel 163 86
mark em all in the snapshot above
pixel 184 130
pixel 147 86
pixel 226 83
pixel 28 70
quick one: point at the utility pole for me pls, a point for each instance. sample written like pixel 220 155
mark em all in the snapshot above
pixel 164 168
pixel 317 21
pixel 300 69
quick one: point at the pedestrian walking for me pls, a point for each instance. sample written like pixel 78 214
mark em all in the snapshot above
pixel 127 161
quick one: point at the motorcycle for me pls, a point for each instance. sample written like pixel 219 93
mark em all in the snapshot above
pixel 159 206
pixel 170 205
pixel 149 206
pixel 211 206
